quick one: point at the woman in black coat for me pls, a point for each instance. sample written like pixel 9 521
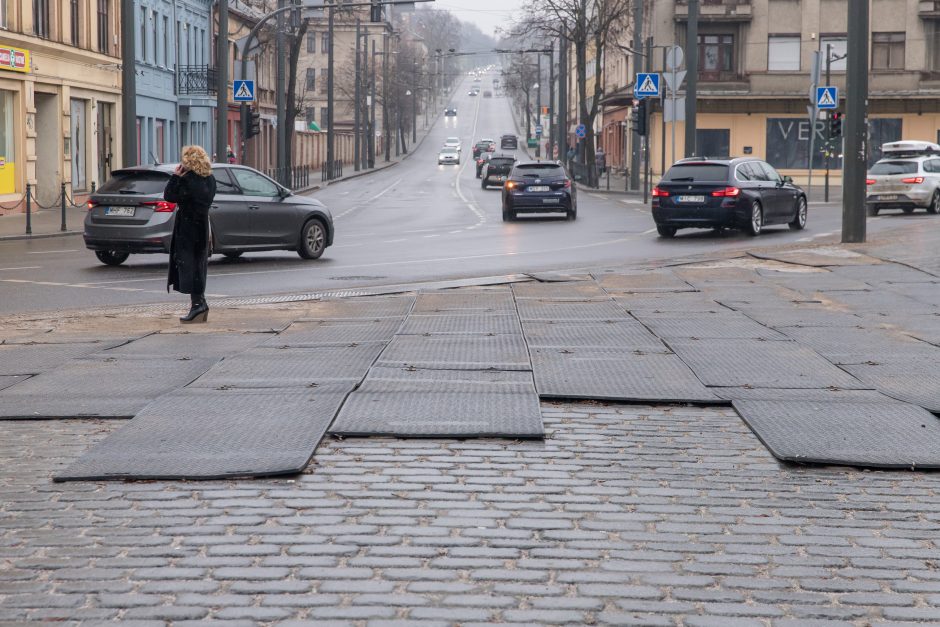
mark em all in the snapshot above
pixel 192 188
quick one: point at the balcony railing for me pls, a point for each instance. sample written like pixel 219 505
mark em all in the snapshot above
pixel 716 9
pixel 195 80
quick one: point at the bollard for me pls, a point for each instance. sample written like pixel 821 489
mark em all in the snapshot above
pixel 63 227
pixel 29 208
pixel 92 187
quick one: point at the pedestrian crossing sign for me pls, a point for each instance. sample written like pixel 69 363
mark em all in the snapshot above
pixel 244 91
pixel 647 84
pixel 827 97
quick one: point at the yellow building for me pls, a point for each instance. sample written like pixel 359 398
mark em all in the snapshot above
pixel 59 94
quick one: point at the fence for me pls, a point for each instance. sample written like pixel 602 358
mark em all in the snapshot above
pixel 331 170
pixel 62 203
pixel 296 177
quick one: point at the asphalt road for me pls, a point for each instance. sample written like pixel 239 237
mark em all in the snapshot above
pixel 416 221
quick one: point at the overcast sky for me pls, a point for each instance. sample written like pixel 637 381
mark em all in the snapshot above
pixel 487 14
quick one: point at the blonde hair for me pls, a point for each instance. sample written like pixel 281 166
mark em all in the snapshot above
pixel 196 159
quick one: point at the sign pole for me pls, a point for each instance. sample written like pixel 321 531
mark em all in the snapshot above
pixel 854 188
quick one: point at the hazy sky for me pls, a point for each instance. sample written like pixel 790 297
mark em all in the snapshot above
pixel 487 14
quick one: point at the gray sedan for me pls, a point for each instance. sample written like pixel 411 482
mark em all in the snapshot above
pixel 250 213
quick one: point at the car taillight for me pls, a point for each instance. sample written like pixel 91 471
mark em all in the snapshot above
pixel 913 180
pixel 869 181
pixel 659 192
pixel 160 206
pixel 510 184
pixel 91 204
pixel 728 192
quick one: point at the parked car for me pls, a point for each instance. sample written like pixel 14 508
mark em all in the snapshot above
pixel 734 193
pixel 509 142
pixel 128 215
pixel 482 159
pixel 539 187
pixel 452 142
pixel 450 111
pixel 497 169
pixel 907 177
pixel 448 155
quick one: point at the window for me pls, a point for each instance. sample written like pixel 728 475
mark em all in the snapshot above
pixel 716 55
pixel 783 53
pixel 880 132
pixel 254 184
pixel 311 79
pixel 41 18
pixel 142 39
pixel 932 165
pixel 73 21
pixel 160 137
pixel 713 142
pixel 324 116
pixel 310 115
pixel 311 43
pixel 772 175
pixel 103 25
pixel 694 173
pixel 154 52
pixel 887 51
pixel 325 43
pixel 933 45
pixel 837 47
pixel 223 181
pixel 166 41
pixel 3 13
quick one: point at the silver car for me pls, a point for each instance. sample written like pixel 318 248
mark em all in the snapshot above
pixel 448 155
pixel 251 212
pixel 907 177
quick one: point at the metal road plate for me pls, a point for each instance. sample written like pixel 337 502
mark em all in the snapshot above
pixel 292 367
pixel 616 375
pixel 626 333
pixel 9 380
pixel 98 387
pixel 926 328
pixel 210 434
pixel 796 316
pixel 495 300
pixel 457 323
pixel 686 302
pixel 38 358
pixel 884 273
pixel 854 345
pixel 877 435
pixel 403 376
pixel 923 292
pixel 359 307
pixel 829 395
pixel 756 363
pixel 816 257
pixel 574 290
pixel 808 282
pixel 335 333
pixel 652 281
pixel 880 301
pixel 177 345
pixel 457 352
pixel 556 277
pixel 558 311
pixel 728 324
pixel 913 382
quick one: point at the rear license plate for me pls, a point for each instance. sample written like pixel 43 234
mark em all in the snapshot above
pixel 539 188
pixel 690 198
pixel 499 178
pixel 550 201
pixel 888 197
pixel 119 211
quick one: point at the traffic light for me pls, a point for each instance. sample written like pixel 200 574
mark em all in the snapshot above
pixel 835 124
pixel 375 14
pixel 638 118
pixel 254 124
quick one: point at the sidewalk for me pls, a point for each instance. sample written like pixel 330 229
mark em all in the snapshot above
pixel 745 507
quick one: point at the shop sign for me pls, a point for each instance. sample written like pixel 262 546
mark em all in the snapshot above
pixel 15 59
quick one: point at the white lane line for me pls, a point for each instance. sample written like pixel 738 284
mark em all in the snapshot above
pixel 433 235
pixel 22 268
pixel 50 252
pixel 86 286
pixel 823 234
pixel 481 217
pixel 370 200
pixel 457 231
pixel 649 232
pixel 419 231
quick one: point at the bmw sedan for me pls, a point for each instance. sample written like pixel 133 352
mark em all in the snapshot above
pixel 539 187
pixel 128 215
pixel 448 156
pixel 726 193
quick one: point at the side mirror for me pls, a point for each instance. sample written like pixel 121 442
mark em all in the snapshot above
pixel 283 193
pixel 788 179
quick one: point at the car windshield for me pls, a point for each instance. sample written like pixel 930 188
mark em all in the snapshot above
pixel 697 173
pixel 136 183
pixel 540 170
pixel 448 151
pixel 453 140
pixel 894 167
pixel 501 162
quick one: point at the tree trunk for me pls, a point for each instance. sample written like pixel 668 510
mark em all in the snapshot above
pixel 297 39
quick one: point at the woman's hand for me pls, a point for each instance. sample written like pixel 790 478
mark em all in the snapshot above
pixel 180 170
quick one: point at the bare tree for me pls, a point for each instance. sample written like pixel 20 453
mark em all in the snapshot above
pixel 518 79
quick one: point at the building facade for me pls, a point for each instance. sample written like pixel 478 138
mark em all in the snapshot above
pixel 60 88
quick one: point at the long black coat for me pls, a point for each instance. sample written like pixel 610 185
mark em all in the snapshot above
pixel 189 249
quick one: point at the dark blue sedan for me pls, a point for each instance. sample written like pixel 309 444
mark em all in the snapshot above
pixel 539 187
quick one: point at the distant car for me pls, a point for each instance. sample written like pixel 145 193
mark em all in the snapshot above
pixel 907 177
pixel 447 156
pixel 497 169
pixel 482 159
pixel 476 79
pixel 450 111
pixel 487 94
pixel 509 142
pixel 491 144
pixel 735 193
pixel 539 187
pixel 471 93
pixel 452 142
pixel 480 146
pixel 128 215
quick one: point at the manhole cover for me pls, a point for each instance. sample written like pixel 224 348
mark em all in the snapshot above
pixel 356 278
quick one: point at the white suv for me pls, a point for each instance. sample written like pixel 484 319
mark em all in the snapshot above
pixel 907 177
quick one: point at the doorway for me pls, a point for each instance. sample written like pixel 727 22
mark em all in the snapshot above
pixel 105 151
pixel 48 161
pixel 79 146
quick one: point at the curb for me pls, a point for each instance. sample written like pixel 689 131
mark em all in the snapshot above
pixel 4 238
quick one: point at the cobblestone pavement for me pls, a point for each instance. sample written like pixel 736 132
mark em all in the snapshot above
pixel 623 515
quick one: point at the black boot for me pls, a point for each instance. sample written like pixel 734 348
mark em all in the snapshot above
pixel 199 312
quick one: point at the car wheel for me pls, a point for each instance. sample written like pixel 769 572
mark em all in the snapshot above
pixel 907 209
pixel 233 255
pixel 934 206
pixel 873 211
pixel 312 239
pixel 666 231
pixel 111 258
pixel 573 213
pixel 756 223
pixel 799 221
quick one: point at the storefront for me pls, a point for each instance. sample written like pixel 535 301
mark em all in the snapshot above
pixel 14 61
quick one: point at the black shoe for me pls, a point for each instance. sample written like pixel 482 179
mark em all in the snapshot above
pixel 198 313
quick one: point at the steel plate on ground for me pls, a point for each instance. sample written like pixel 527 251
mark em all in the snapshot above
pixel 38 358
pixel 9 380
pixel 546 310
pixel 98 387
pixel 884 273
pixel 667 301
pixel 753 363
pixel 359 308
pixel 877 435
pixel 179 345
pixel 335 333
pixel 809 282
pixel 458 352
pixel 806 316
pixel 627 333
pixel 882 302
pixel 729 324
pixel 292 367
pixel 455 323
pixel 558 277
pixel 831 395
pixel 817 257
pixel 916 382
pixel 616 375
pixel 926 328
pixel 576 290
pixel 853 345
pixel 928 293
pixel 470 299
pixel 210 434
pixel 652 281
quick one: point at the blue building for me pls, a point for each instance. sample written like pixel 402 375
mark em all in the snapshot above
pixel 175 84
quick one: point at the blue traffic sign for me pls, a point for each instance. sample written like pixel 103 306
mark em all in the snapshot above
pixel 580 131
pixel 827 97
pixel 647 84
pixel 538 130
pixel 244 91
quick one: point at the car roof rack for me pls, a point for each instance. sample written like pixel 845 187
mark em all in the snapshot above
pixel 909 148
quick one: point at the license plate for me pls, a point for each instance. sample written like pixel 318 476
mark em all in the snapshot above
pixel 888 197
pixel 539 188
pixel 499 178
pixel 690 198
pixel 550 201
pixel 119 211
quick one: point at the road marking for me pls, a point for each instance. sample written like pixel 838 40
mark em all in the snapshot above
pixel 22 268
pixel 394 241
pixel 649 232
pixel 87 286
pixel 481 217
pixel 47 252
pixel 433 235
pixel 370 200
pixel 457 231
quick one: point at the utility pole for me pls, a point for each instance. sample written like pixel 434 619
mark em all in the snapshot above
pixel 563 99
pixel 645 139
pixel 221 68
pixel 372 113
pixel 129 84
pixel 330 135
pixel 635 156
pixel 855 163
pixel 551 101
pixel 385 125
pixel 691 80
pixel 281 97
pixel 357 135
pixel 828 126
pixel 538 103
pixel 414 99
